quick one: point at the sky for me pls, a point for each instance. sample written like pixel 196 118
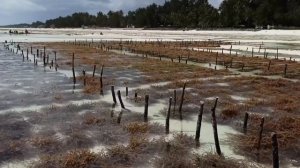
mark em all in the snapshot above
pixel 27 11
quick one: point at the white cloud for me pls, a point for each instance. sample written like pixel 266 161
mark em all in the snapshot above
pixel 18 6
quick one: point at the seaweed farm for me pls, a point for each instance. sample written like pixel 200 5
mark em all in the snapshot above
pixel 73 98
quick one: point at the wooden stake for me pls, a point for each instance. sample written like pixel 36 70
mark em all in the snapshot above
pixel 181 102
pixel 269 65
pixel 245 123
pixel 175 101
pixel 120 99
pixel 113 94
pixel 73 69
pixel 84 78
pixel 275 151
pixel 197 137
pixel 94 71
pixel 168 117
pixel 27 54
pixel 285 69
pixel 146 108
pixel 215 128
pixel 260 132
pixel 135 96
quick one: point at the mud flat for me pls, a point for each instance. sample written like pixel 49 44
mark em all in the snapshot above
pixel 51 118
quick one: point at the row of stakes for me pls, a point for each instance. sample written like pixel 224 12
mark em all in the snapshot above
pixel 167 122
pixel 186 59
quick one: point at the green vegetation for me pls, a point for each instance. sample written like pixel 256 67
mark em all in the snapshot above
pixel 192 14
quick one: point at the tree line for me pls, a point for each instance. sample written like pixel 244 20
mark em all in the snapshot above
pixel 191 14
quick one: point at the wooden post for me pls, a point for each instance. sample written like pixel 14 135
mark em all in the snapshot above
pixel 120 99
pixel 269 65
pixel 27 54
pixel 197 137
pixel 175 101
pixel 126 91
pixel 135 96
pixel 275 151
pixel 217 58
pixel 252 52
pixel 34 59
pixel 262 121
pixel 23 55
pixel 181 102
pixel 146 108
pixel 113 94
pixel 94 71
pixel 245 123
pixel 84 78
pixel 215 128
pixel 47 62
pixel 55 57
pixel 277 54
pixel 73 69
pixel 168 117
pixel 285 69
pixel 37 53
pixel 120 117
pixel 44 56
pixel 101 80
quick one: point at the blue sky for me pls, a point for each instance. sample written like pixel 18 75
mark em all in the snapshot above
pixel 27 11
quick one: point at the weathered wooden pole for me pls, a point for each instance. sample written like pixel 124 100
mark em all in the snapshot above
pixel 73 69
pixel 262 121
pixel 47 62
pixel 168 117
pixel 217 58
pixel 23 55
pixel 269 65
pixel 34 59
pixel 215 128
pixel 84 77
pixel 275 151
pixel 175 101
pixel 135 97
pixel 245 122
pixel 44 56
pixel 126 91
pixel 146 108
pixel 120 117
pixel 101 79
pixel 181 102
pixel 120 99
pixel 55 57
pixel 27 54
pixel 94 71
pixel 285 69
pixel 197 137
pixel 113 94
